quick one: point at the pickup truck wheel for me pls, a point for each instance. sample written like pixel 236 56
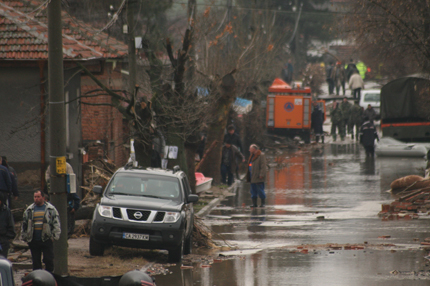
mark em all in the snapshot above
pixel 96 249
pixel 176 254
pixel 188 245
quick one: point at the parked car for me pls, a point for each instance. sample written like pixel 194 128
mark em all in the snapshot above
pixel 372 97
pixel 145 208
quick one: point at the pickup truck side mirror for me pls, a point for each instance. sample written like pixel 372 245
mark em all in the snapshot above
pixel 97 189
pixel 193 198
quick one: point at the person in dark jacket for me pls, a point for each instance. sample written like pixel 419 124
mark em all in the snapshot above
pixel 355 120
pixel 370 113
pixel 368 135
pixel 317 120
pixel 228 161
pixel 13 177
pixel 7 226
pixel 235 140
pixel 233 137
pixel 73 203
pixel 337 122
pixel 330 78
pixel 5 182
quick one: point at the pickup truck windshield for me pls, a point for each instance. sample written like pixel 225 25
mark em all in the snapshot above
pixel 152 186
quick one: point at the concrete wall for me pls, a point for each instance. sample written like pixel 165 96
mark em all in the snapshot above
pixel 19 114
pixel 20 106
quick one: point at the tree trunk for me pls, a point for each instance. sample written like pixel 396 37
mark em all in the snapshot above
pixel 212 164
pixel 190 153
pixel 143 152
pixel 174 139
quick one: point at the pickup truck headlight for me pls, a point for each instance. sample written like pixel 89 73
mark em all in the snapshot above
pixel 171 217
pixel 105 211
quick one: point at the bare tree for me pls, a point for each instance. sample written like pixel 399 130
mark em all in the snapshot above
pixel 394 34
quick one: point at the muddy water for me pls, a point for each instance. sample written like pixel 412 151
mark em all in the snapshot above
pixel 316 198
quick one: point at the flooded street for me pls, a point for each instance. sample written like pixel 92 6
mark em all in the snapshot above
pixel 320 226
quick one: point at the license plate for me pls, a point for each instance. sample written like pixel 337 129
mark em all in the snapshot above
pixel 135 236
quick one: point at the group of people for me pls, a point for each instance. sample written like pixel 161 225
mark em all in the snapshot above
pixel 337 75
pixel 231 155
pixel 347 117
pixel 40 227
pixel 41 223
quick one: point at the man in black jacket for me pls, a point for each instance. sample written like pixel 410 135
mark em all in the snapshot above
pixel 234 139
pixel 230 154
pixel 7 226
pixel 317 120
pixel 368 135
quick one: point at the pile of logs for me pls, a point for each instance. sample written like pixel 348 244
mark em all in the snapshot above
pixel 413 198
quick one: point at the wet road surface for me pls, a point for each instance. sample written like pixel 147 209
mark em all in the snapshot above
pixel 318 201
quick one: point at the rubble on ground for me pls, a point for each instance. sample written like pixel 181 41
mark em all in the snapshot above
pixel 413 199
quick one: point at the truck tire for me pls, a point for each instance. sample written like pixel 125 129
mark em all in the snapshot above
pixel 176 254
pixel 188 245
pixel 96 249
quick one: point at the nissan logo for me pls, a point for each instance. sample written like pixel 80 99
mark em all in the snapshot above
pixel 138 215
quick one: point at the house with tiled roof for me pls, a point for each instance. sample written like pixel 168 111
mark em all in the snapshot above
pixel 24 95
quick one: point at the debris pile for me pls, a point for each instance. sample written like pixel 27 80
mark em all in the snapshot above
pixel 413 198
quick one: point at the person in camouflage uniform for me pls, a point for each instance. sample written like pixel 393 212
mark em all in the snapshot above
pixel 345 107
pixel 337 122
pixel 355 119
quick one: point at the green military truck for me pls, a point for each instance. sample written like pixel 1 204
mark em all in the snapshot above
pixel 405 108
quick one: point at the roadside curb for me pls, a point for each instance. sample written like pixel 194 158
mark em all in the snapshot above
pixel 214 202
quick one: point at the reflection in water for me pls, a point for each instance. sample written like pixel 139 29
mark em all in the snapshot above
pixel 368 167
pixel 337 183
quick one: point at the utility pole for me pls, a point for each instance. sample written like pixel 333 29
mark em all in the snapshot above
pixel 57 131
pixel 297 41
pixel 131 47
pixel 191 64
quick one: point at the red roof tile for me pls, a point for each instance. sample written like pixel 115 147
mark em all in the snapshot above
pixel 24 35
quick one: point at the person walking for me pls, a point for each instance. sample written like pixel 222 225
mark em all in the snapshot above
pixel 40 226
pixel 338 74
pixel 368 135
pixel 337 122
pixel 370 113
pixel 355 120
pixel 317 120
pixel 7 226
pixel 356 84
pixel 345 107
pixel 330 78
pixel 5 182
pixel 228 161
pixel 256 175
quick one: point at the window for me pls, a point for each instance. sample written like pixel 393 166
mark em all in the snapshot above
pixel 145 185
pixel 372 97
